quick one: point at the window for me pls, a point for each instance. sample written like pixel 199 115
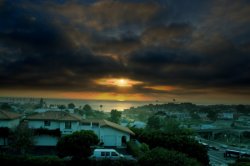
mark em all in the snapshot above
pixel 95 124
pixel 46 123
pixel 114 154
pixel 102 153
pixel 85 124
pixel 107 153
pixel 67 125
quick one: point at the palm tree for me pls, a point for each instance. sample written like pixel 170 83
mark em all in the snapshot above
pixel 101 107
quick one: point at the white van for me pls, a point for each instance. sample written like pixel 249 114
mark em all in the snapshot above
pixel 106 153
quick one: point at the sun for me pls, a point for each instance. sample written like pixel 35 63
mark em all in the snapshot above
pixel 122 82
pixel 118 82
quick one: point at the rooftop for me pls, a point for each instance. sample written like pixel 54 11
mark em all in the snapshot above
pixel 54 115
pixel 8 115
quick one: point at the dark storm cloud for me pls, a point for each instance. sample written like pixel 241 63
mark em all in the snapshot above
pixel 65 45
pixel 36 53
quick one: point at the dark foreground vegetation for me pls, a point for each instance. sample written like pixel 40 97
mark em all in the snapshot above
pixel 7 160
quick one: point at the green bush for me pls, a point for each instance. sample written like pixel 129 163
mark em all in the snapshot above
pixel 241 162
pixel 162 157
pixel 137 150
pixel 109 162
pixel 7 160
pixel 44 131
pixel 77 144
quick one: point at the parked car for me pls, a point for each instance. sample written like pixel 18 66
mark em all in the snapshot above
pixel 106 154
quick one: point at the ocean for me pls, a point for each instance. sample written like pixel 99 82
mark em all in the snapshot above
pixel 107 106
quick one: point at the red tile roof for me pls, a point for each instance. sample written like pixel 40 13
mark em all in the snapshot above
pixel 8 115
pixel 54 115
pixel 103 122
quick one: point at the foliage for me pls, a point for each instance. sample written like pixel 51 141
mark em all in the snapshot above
pixel 171 125
pixel 137 150
pixel 162 157
pixel 88 110
pixel 180 142
pixel 166 124
pixel 21 139
pixel 5 106
pixel 154 122
pixel 246 134
pixel 4 131
pixel 144 147
pixel 77 144
pixel 242 109
pixel 137 131
pixel 71 105
pixel 44 131
pixel 61 107
pixel 194 115
pixel 115 116
pixel 109 162
pixel 241 162
pixel 212 115
pixel 7 160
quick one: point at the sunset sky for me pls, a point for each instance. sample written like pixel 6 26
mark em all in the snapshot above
pixel 146 50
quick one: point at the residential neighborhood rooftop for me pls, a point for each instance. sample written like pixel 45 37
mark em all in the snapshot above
pixel 54 115
pixel 103 122
pixel 8 115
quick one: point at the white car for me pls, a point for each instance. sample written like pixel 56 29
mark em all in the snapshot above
pixel 106 154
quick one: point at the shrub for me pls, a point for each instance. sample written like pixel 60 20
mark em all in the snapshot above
pixel 161 157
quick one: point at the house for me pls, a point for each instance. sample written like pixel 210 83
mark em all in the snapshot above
pixel 110 134
pixel 52 120
pixel 8 120
pixel 226 115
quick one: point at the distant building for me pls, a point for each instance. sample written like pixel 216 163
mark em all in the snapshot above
pixel 226 115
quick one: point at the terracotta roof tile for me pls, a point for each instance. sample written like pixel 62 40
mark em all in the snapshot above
pixel 110 124
pixel 54 115
pixel 8 115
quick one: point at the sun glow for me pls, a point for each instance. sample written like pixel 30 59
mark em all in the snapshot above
pixel 120 82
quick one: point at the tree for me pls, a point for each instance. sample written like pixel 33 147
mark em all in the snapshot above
pixel 41 103
pixel 71 105
pixel 171 125
pixel 115 116
pixel 6 107
pixel 194 115
pixel 154 122
pixel 61 107
pixel 161 156
pixel 4 134
pixel 87 109
pixel 77 144
pixel 21 139
pixel 212 115
pixel 178 141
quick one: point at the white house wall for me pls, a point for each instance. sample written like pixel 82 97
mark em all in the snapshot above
pixel 45 140
pixel 9 123
pixel 107 134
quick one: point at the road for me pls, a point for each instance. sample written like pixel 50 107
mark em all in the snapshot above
pixel 216 158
